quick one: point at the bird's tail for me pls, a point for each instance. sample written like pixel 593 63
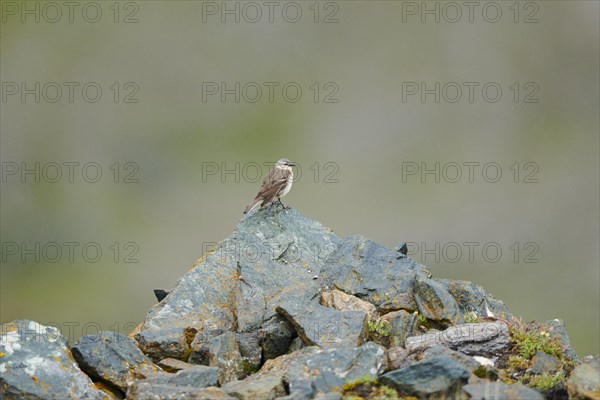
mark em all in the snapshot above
pixel 252 205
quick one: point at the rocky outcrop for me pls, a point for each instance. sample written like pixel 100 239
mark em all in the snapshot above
pixel 35 363
pixel 284 308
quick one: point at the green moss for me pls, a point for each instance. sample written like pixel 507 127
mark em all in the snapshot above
pixel 422 321
pixel 527 340
pixel 544 381
pixel 379 327
pixel 363 380
pixel 367 387
pixel 517 363
pixel 471 317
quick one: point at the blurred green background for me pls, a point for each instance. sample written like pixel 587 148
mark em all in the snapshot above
pixel 355 132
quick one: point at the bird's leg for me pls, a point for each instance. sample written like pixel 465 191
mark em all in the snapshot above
pixel 284 206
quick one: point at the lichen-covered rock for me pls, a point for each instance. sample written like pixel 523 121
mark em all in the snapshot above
pixel 320 325
pixel 439 376
pixel 478 339
pixel 372 273
pixel 346 302
pixel 543 363
pixel 401 324
pixel 163 392
pixel 250 350
pixel 326 369
pixel 35 363
pixel 471 297
pixel 312 370
pixel 256 387
pixel 275 336
pixel 557 330
pixel 187 383
pixel 500 391
pixel 113 358
pixel 236 285
pixel 435 302
pixel 173 365
pixel 219 351
pixel 584 382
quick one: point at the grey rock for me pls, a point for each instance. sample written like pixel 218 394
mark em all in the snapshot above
pixel 250 350
pixel 35 363
pixel 435 302
pixel 472 298
pixel 480 339
pixel 401 325
pixel 173 365
pixel 164 343
pixel 219 351
pixel 275 337
pixel 322 326
pixel 584 382
pixel 557 330
pixel 396 357
pixel 256 387
pixel 543 363
pixel 197 376
pixel 500 391
pixel 311 370
pixel 161 392
pixel 373 273
pixel 323 370
pixel 345 302
pixel 113 358
pixel 438 376
pixel 235 286
pixel 185 384
pixel 466 361
pixel 296 345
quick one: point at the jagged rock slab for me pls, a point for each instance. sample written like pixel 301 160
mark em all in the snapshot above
pixel 313 370
pixel 256 387
pixel 235 285
pixel 35 363
pixel 399 357
pixel 219 351
pixel 435 302
pixel 500 391
pixel 345 302
pixel 275 337
pixel 173 365
pixel 373 273
pixel 113 358
pixel 438 376
pixel 557 330
pixel 329 368
pixel 472 298
pixel 250 350
pixel 401 325
pixel 158 392
pixel 184 384
pixel 485 338
pixel 466 361
pixel 543 363
pixel 322 326
pixel 584 382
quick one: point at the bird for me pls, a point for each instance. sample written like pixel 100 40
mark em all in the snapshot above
pixel 277 184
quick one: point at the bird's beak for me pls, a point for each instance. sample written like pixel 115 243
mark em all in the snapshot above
pixel 292 164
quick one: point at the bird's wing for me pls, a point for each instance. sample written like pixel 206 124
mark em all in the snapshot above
pixel 274 182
